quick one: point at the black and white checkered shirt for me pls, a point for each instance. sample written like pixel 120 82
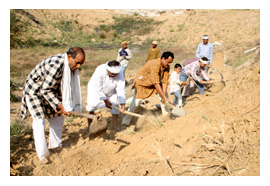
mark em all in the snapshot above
pixel 43 86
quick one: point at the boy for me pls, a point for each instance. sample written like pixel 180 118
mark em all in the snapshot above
pixel 175 85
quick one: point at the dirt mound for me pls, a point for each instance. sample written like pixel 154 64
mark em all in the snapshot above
pixel 220 135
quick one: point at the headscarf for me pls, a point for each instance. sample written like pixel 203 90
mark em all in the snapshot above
pixel 204 62
pixel 114 69
pixel 205 37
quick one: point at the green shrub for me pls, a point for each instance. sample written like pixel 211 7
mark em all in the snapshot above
pixel 133 23
pixel 17 28
pixel 102 35
pixel 180 27
pixel 18 127
pixel 105 28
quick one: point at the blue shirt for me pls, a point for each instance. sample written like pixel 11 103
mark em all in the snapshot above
pixel 123 52
pixel 205 51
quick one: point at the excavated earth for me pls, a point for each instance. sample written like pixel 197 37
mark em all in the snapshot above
pixel 219 135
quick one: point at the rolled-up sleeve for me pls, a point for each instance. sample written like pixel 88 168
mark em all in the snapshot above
pixel 205 76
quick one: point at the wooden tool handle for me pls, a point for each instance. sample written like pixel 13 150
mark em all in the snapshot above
pixel 90 116
pixel 129 113
pixel 211 82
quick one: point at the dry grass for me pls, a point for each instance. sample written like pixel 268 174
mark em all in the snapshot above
pixel 221 147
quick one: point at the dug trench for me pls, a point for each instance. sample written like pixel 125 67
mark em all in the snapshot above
pixel 219 135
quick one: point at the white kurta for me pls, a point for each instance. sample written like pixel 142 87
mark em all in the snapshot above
pixel 175 79
pixel 102 87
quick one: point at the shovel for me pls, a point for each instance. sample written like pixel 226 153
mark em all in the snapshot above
pixel 129 113
pixel 89 116
pixel 212 71
pixel 140 121
pixel 176 111
pixel 98 126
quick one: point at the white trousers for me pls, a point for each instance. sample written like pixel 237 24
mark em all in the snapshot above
pixel 113 100
pixel 55 137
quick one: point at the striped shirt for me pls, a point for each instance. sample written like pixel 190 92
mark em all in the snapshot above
pixel 43 86
pixel 193 69
pixel 149 75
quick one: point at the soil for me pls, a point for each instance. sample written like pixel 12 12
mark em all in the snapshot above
pixel 219 135
pixel 225 121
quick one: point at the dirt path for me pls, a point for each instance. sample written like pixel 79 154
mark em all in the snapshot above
pixel 220 135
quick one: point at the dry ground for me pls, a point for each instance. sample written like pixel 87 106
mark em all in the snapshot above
pixel 220 134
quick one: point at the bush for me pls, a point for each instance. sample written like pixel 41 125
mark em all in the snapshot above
pixel 180 27
pixel 16 29
pixel 102 36
pixel 18 127
pixel 128 24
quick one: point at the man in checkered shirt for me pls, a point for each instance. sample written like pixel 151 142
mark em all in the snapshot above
pixel 194 70
pixel 42 96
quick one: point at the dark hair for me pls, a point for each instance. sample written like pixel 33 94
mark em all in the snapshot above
pixel 177 65
pixel 167 54
pixel 205 58
pixel 113 63
pixel 73 51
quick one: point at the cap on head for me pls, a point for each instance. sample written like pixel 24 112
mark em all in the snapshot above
pixel 113 66
pixel 124 42
pixel 204 60
pixel 205 37
pixel 154 42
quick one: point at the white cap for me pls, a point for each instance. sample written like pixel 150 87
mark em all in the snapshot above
pixel 154 42
pixel 204 62
pixel 114 69
pixel 205 37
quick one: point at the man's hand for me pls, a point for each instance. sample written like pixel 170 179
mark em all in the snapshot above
pixel 210 65
pixel 61 110
pixel 205 82
pixel 108 104
pixel 161 92
pixel 184 83
pixel 166 100
pixel 123 109
pixel 201 82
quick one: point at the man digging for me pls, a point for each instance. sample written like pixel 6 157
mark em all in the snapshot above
pixel 105 88
pixel 152 78
pixel 51 90
pixel 194 70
